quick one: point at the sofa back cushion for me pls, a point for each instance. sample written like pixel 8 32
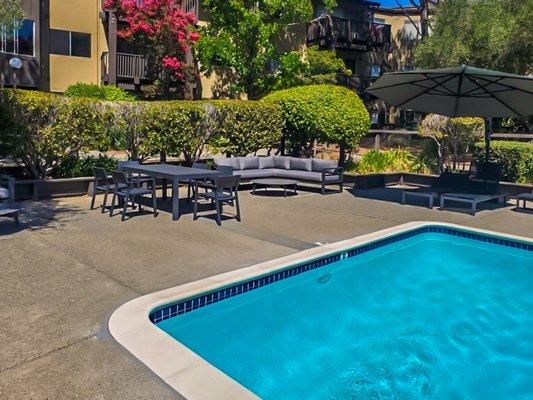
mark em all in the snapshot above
pixel 266 162
pixel 249 162
pixel 229 162
pixel 319 165
pixel 301 164
pixel 282 162
pixel 4 193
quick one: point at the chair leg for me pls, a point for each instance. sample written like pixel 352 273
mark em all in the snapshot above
pixel 93 197
pixel 189 192
pixel 219 213
pixel 105 200
pixel 341 187
pixel 195 206
pixel 238 208
pixel 139 203
pixel 154 202
pixel 323 189
pixel 113 204
pixel 124 208
pixel 17 222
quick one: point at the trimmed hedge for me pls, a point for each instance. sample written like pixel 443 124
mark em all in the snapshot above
pixel 516 159
pixel 98 92
pixel 41 131
pixel 327 113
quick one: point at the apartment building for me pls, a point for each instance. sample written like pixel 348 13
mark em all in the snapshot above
pixel 62 42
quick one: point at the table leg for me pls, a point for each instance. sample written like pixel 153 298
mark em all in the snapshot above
pixel 165 187
pixel 285 191
pixel 253 190
pixel 175 199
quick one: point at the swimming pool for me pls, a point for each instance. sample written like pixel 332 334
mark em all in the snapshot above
pixel 416 312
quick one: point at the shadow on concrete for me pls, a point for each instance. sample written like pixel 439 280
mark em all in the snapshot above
pixel 35 215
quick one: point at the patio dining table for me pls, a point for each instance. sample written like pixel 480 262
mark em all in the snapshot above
pixel 174 174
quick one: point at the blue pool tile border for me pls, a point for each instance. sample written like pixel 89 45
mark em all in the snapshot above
pixel 203 300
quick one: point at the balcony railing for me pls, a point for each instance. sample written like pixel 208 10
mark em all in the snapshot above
pixel 130 68
pixel 357 83
pixel 336 32
pixel 190 6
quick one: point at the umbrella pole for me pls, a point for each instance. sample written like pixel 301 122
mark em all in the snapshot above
pixel 488 132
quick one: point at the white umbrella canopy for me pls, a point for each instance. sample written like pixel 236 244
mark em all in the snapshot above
pixel 458 92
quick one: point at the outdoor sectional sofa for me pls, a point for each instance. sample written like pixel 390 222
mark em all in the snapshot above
pixel 324 172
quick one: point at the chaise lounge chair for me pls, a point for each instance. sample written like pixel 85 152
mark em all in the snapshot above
pixel 446 182
pixel 482 187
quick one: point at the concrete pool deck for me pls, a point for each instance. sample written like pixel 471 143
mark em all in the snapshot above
pixel 68 268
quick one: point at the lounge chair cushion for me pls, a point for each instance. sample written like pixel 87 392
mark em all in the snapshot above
pixel 281 162
pixel 228 162
pixel 301 164
pixel 266 162
pixel 319 165
pixel 249 162
pixel 4 193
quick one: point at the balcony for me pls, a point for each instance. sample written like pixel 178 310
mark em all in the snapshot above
pixel 190 6
pixel 357 83
pixel 340 33
pixel 130 69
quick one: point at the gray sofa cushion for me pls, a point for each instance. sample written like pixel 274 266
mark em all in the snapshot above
pixel 256 173
pixel 305 176
pixel 4 193
pixel 249 162
pixel 318 165
pixel 282 162
pixel 301 164
pixel 228 162
pixel 266 162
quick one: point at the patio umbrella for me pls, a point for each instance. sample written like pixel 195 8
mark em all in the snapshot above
pixel 458 92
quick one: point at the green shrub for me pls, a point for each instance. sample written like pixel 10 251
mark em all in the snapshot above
pixel 326 113
pixel 73 167
pixel 98 92
pixel 39 130
pixel 243 127
pixel 393 160
pixel 516 159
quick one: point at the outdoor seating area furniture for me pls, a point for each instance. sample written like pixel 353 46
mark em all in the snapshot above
pixel 7 199
pixel 323 172
pixel 446 182
pixel 472 199
pixel 201 181
pixel 103 184
pixel 126 187
pixel 139 178
pixel 175 174
pixel 524 197
pixel 276 183
pixel 225 190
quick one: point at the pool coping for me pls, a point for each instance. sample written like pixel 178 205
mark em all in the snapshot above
pixel 184 370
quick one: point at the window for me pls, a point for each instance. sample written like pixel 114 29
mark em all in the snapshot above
pixel 69 43
pixel 19 41
pixel 375 71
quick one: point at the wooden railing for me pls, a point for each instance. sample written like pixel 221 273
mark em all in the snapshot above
pixel 190 6
pixel 346 33
pixel 132 68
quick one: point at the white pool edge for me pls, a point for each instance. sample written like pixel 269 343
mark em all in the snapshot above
pixel 185 371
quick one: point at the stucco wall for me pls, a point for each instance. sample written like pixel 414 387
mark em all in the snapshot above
pixel 78 16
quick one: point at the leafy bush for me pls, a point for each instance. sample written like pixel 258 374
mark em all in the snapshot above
pixel 98 92
pixel 39 130
pixel 393 160
pixel 246 126
pixel 73 167
pixel 516 159
pixel 326 113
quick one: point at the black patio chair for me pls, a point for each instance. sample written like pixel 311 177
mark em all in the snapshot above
pixel 125 188
pixel 202 182
pixel 225 190
pixel 102 184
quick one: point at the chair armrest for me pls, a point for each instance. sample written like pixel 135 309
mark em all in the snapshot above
pixel 10 186
pixel 333 172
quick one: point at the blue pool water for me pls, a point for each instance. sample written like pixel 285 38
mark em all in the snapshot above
pixel 434 316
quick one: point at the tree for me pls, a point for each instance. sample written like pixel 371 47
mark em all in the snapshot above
pixel 165 31
pixel 453 136
pixel 492 34
pixel 241 35
pixel 327 113
pixel 11 12
pixel 314 66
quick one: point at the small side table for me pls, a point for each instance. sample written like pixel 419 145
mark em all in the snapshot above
pixel 275 182
pixel 11 212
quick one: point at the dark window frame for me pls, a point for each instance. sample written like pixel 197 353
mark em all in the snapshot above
pixel 14 35
pixel 78 44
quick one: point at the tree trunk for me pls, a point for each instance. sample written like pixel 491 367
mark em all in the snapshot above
pixel 342 155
